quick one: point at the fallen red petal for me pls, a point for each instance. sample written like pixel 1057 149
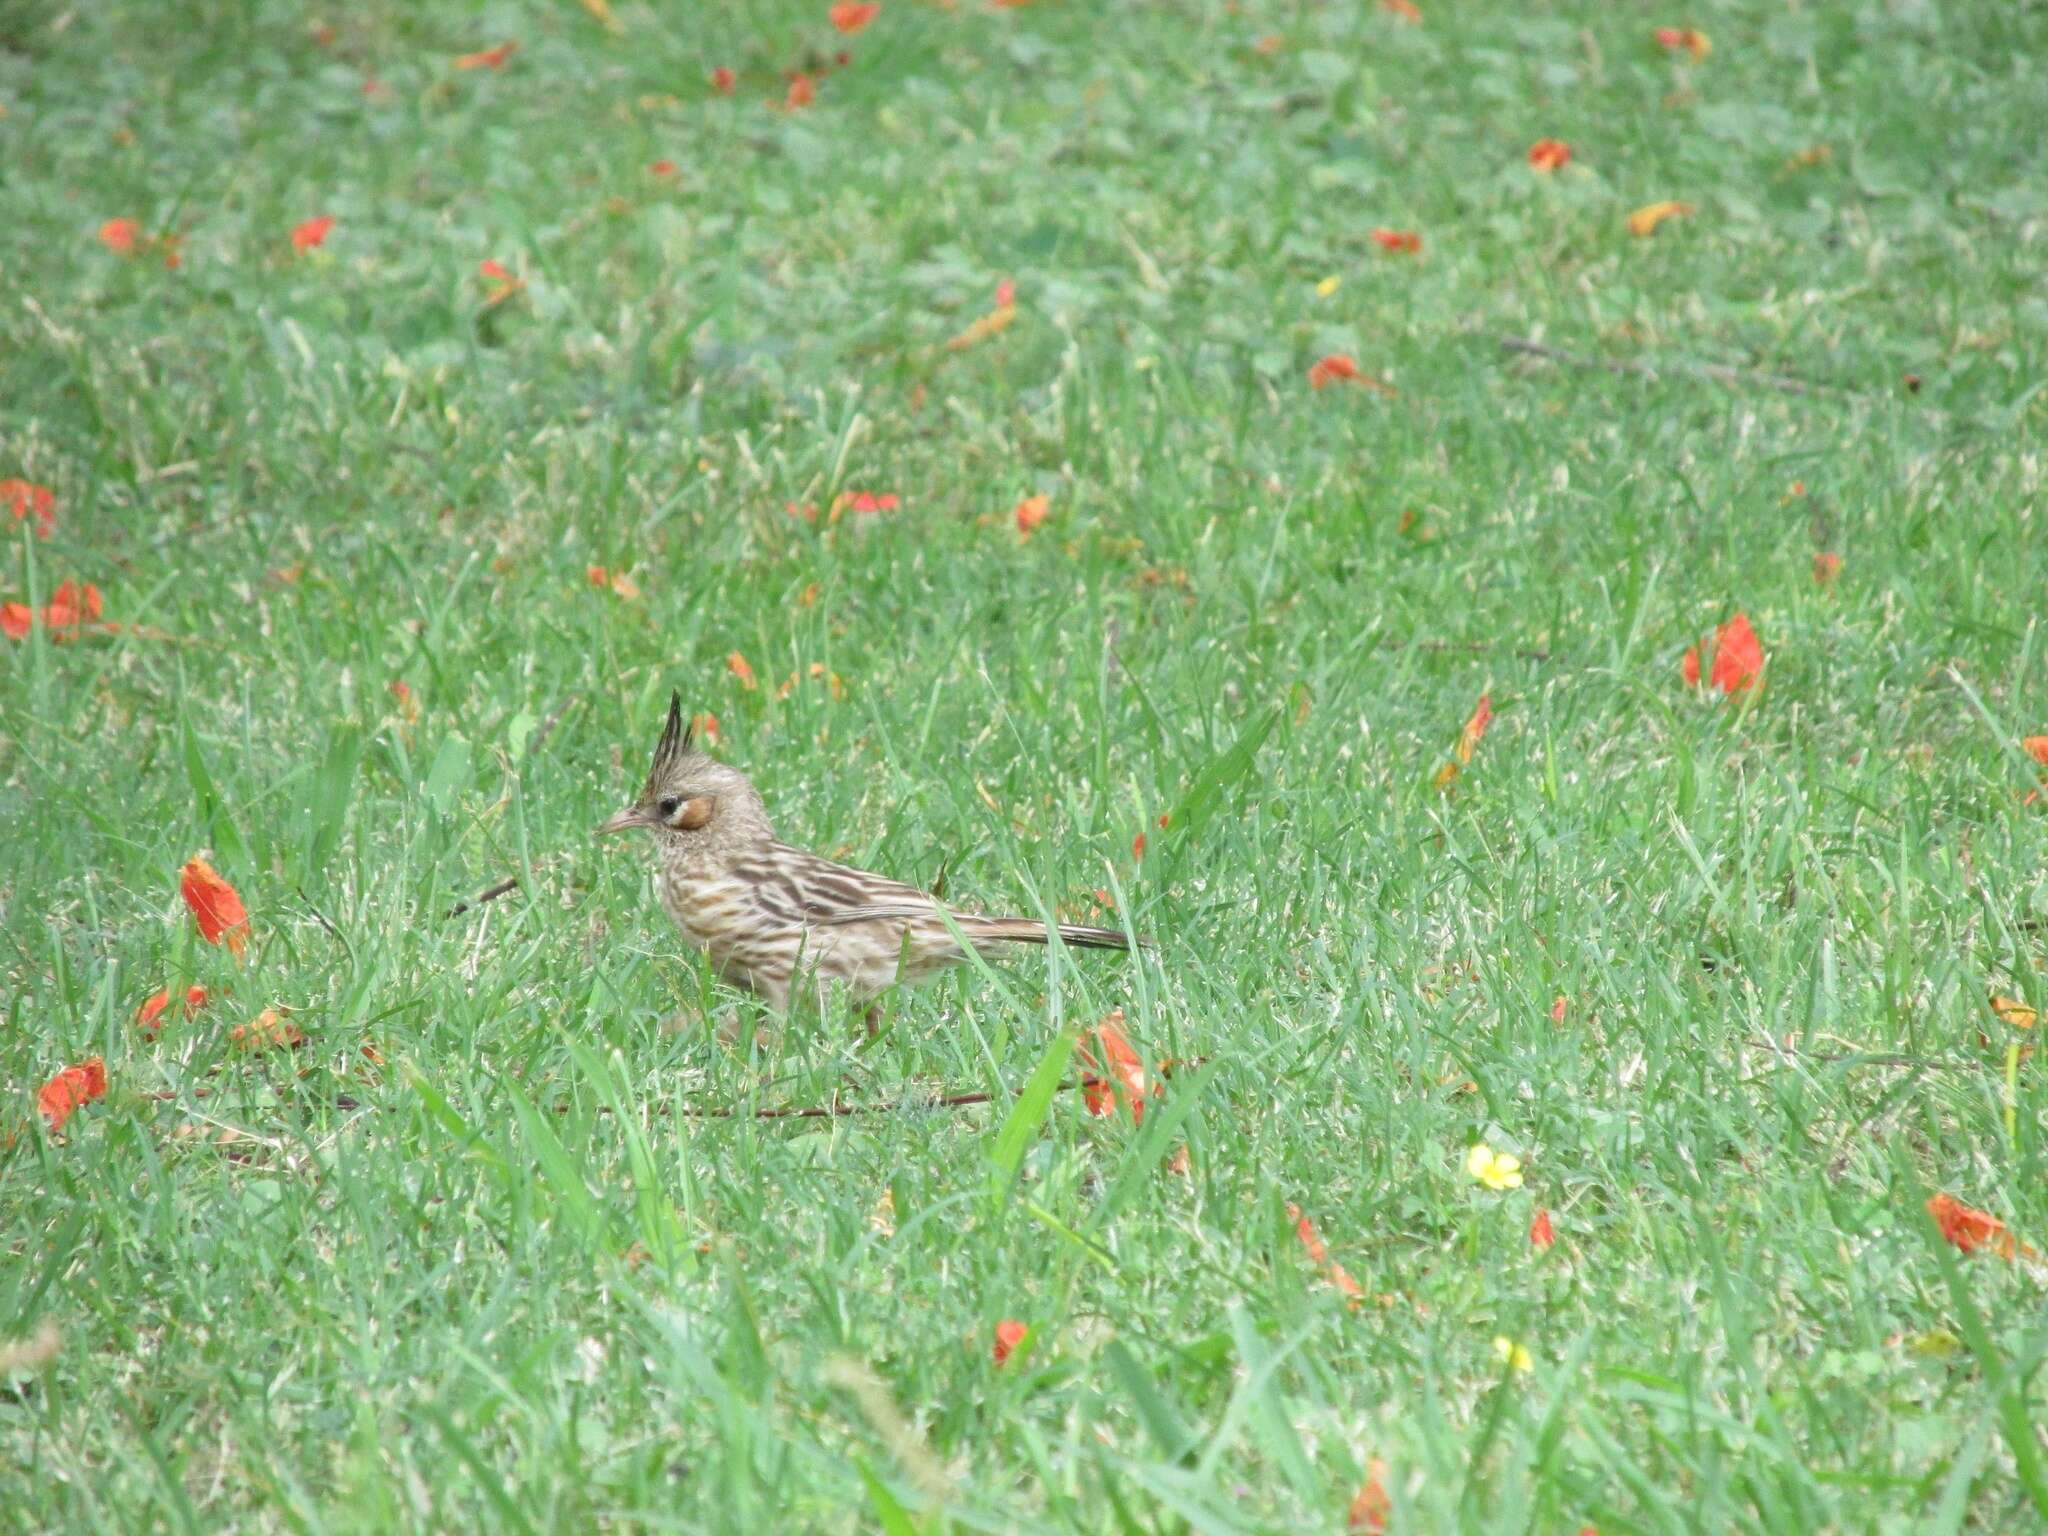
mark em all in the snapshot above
pixel 71 1088
pixel 1009 1334
pixel 215 904
pixel 27 500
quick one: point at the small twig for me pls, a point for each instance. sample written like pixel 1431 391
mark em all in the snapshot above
pixel 547 727
pixel 504 887
pixel 1866 1059
pixel 321 918
pixel 1722 373
pixel 833 1111
pixel 1461 647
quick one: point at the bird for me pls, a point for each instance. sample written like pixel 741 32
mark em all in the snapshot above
pixel 784 923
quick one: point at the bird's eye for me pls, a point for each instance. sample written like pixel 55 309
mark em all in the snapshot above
pixel 668 806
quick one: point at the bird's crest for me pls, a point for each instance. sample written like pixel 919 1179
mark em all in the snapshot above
pixel 674 746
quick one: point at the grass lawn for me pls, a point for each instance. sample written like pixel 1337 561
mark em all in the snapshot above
pixel 480 1253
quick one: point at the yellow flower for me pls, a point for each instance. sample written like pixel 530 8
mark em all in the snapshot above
pixel 1327 286
pixel 1516 1356
pixel 1496 1170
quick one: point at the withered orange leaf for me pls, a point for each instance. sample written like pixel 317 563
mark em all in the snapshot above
pixel 216 906
pixel 852 15
pixel 1549 154
pixel 26 500
pixel 488 58
pixel 1032 511
pixel 1371 1507
pixel 1970 1229
pixel 1009 1335
pixel 312 233
pixel 1644 221
pixel 71 1088
pixel 2010 1010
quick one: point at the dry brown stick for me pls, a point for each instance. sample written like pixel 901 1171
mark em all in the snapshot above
pixel 785 1112
pixel 949 1101
pixel 504 887
pixel 1890 1060
pixel 547 727
pixel 1720 372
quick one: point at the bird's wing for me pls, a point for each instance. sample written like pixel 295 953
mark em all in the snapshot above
pixel 826 894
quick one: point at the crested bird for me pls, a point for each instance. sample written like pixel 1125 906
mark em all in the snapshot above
pixel 770 915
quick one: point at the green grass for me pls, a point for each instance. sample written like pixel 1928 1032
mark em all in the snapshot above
pixel 504 1282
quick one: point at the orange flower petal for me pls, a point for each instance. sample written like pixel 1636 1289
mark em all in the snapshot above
pixel 1969 1228
pixel 1399 242
pixel 1032 511
pixel 1826 567
pixel 1684 40
pixel 1330 370
pixel 269 1030
pixel 1371 1507
pixel 1009 1334
pixel 25 500
pixel 802 92
pixel 1738 656
pixel 1549 154
pixel 1540 1233
pixel 852 15
pixel 1644 221
pixel 309 235
pixel 736 664
pixel 1125 1066
pixel 489 58
pixel 70 1088
pixel 723 80
pixel 120 236
pixel 216 906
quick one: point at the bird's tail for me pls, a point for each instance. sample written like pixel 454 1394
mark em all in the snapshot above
pixel 1025 930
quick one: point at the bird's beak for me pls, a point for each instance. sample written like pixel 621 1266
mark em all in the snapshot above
pixel 623 821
